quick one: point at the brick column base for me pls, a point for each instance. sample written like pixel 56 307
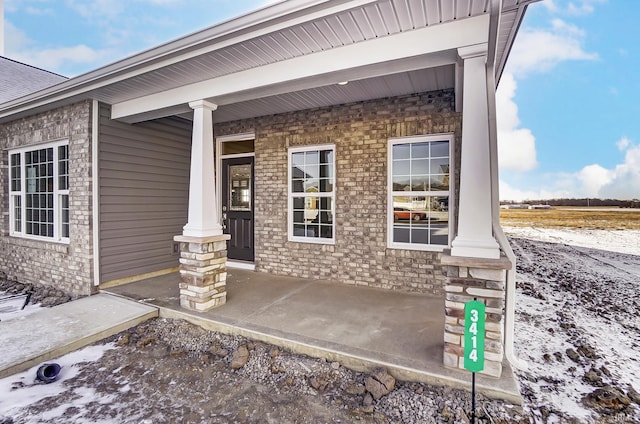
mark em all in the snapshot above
pixel 484 279
pixel 203 271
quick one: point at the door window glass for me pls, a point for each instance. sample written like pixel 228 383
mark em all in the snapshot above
pixel 240 187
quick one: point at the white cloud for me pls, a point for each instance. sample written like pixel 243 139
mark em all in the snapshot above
pixel 516 146
pixel 160 2
pixel 579 8
pixel 624 181
pixel 551 6
pixel 561 27
pixel 508 192
pixel 540 50
pixel 38 11
pixel 11 6
pixel 535 51
pixel 15 38
pixel 591 179
pixel 54 58
pixel 623 143
pixel 23 49
pixel 619 182
pixel 103 10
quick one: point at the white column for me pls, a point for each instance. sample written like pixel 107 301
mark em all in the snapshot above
pixel 203 204
pixel 475 235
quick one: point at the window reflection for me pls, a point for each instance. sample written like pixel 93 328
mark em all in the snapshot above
pixel 312 181
pixel 313 216
pixel 420 183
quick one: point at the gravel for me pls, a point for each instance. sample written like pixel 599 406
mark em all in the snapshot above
pixel 41 294
pixel 166 371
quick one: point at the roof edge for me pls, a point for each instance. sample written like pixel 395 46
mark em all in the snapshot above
pixel 267 15
pixel 520 9
pixel 33 67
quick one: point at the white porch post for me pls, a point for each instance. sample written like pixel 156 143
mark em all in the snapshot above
pixel 475 235
pixel 203 208
pixel 203 247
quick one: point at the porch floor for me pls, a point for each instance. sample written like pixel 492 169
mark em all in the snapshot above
pixel 360 327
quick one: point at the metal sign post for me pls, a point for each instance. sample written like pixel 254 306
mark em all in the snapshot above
pixel 474 319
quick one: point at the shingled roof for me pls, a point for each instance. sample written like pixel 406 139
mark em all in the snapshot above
pixel 18 79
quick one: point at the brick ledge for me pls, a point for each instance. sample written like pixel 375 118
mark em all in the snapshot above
pixel 501 263
pixel 209 239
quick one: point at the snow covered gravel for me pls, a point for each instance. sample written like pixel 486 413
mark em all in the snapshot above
pixel 578 324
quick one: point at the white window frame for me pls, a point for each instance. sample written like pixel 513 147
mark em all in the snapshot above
pixel 291 195
pixel 57 194
pixel 390 193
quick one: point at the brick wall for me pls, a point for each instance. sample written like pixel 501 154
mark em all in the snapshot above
pixel 68 267
pixel 360 132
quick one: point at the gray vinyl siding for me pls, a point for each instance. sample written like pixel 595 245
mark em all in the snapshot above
pixel 144 194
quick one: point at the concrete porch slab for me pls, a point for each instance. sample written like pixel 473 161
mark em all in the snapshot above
pixel 53 332
pixel 360 327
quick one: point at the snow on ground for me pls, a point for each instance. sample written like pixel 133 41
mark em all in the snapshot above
pixel 622 241
pixel 19 391
pixel 28 310
pixel 577 323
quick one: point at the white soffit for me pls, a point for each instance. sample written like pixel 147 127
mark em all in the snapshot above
pixel 274 34
pixel 371 21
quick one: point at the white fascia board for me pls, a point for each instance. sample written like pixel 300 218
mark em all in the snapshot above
pixel 255 24
pixel 433 39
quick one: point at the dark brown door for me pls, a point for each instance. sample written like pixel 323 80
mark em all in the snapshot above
pixel 237 207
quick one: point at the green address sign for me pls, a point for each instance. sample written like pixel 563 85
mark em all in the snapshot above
pixel 474 318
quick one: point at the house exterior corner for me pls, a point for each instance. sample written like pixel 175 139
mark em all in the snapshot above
pixel 38 245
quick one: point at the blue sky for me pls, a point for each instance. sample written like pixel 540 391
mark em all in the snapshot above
pixel 568 108
pixel 568 116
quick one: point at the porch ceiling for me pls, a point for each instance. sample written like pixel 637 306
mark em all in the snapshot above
pixel 418 81
pixel 285 32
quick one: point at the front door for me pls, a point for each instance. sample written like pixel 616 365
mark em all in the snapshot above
pixel 237 207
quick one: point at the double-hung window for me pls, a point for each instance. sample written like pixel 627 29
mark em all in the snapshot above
pixel 39 192
pixel 419 192
pixel 312 194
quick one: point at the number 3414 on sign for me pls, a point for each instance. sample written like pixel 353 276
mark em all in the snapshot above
pixel 474 319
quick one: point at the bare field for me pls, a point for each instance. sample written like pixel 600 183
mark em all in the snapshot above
pixel 578 217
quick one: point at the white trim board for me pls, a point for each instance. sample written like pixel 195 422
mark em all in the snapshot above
pixel 95 192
